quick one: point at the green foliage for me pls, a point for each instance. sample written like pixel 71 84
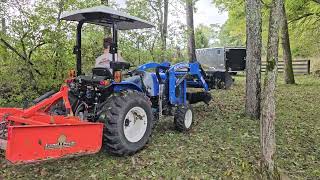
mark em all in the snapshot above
pixel 233 32
pixel 205 35
pixel 202 41
pixel 44 46
pixel 303 17
pixel 145 45
pixel 304 27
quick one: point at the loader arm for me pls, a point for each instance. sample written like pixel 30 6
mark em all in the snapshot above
pixel 181 76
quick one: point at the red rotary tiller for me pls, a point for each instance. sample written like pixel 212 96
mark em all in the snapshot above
pixel 32 134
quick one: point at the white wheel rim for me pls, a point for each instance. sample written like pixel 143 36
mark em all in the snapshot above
pixel 188 118
pixel 135 124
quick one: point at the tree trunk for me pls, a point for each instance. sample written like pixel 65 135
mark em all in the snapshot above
pixel 3 25
pixel 3 20
pixel 179 54
pixel 4 32
pixel 268 110
pixel 165 25
pixel 107 31
pixel 253 59
pixel 285 40
pixel 190 31
pixel 58 42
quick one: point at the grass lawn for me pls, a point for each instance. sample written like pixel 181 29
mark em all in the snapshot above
pixel 222 144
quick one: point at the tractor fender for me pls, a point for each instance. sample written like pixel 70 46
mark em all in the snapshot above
pixel 122 86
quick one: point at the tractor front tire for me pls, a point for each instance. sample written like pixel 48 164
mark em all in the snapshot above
pixel 183 118
pixel 127 119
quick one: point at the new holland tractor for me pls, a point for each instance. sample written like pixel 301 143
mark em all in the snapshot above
pixel 103 108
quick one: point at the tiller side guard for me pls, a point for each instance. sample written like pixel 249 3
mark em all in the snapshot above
pixel 33 134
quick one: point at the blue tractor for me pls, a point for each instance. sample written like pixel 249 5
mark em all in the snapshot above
pixel 130 106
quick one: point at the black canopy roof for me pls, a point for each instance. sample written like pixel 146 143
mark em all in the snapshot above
pixel 105 16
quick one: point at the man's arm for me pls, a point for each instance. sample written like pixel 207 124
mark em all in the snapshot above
pixel 102 61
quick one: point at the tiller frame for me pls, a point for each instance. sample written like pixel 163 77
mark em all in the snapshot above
pixel 33 134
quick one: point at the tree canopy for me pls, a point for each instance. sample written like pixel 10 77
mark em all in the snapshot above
pixel 303 18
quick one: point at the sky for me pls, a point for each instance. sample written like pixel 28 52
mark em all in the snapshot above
pixel 206 13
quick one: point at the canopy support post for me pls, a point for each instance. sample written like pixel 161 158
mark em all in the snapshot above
pixel 114 48
pixel 77 49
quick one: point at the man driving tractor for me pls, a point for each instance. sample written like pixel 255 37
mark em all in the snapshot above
pixel 104 60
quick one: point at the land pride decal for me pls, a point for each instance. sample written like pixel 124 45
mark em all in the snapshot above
pixel 62 143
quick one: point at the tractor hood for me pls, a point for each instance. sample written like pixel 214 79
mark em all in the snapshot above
pixel 105 16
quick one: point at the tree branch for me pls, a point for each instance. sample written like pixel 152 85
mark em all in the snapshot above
pixel 60 5
pixel 301 17
pixel 156 11
pixel 265 4
pixel 25 58
pixel 316 1
pixel 35 48
pixel 23 48
pixel 12 49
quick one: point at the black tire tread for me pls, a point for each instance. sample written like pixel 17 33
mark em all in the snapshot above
pixel 112 110
pixel 179 118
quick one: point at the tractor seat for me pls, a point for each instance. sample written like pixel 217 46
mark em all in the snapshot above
pixel 105 72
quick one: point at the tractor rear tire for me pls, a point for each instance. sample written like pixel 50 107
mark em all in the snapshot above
pixel 127 119
pixel 183 118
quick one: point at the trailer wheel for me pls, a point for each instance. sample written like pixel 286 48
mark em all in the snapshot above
pixel 128 122
pixel 183 118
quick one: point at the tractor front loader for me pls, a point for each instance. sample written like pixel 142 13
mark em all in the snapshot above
pixel 103 108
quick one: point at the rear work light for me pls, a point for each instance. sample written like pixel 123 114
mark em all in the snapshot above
pixel 117 76
pixel 105 83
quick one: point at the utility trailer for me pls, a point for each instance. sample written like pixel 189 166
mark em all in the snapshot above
pixel 230 59
pixel 220 63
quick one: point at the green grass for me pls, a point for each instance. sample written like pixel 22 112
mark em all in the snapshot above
pixel 223 143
